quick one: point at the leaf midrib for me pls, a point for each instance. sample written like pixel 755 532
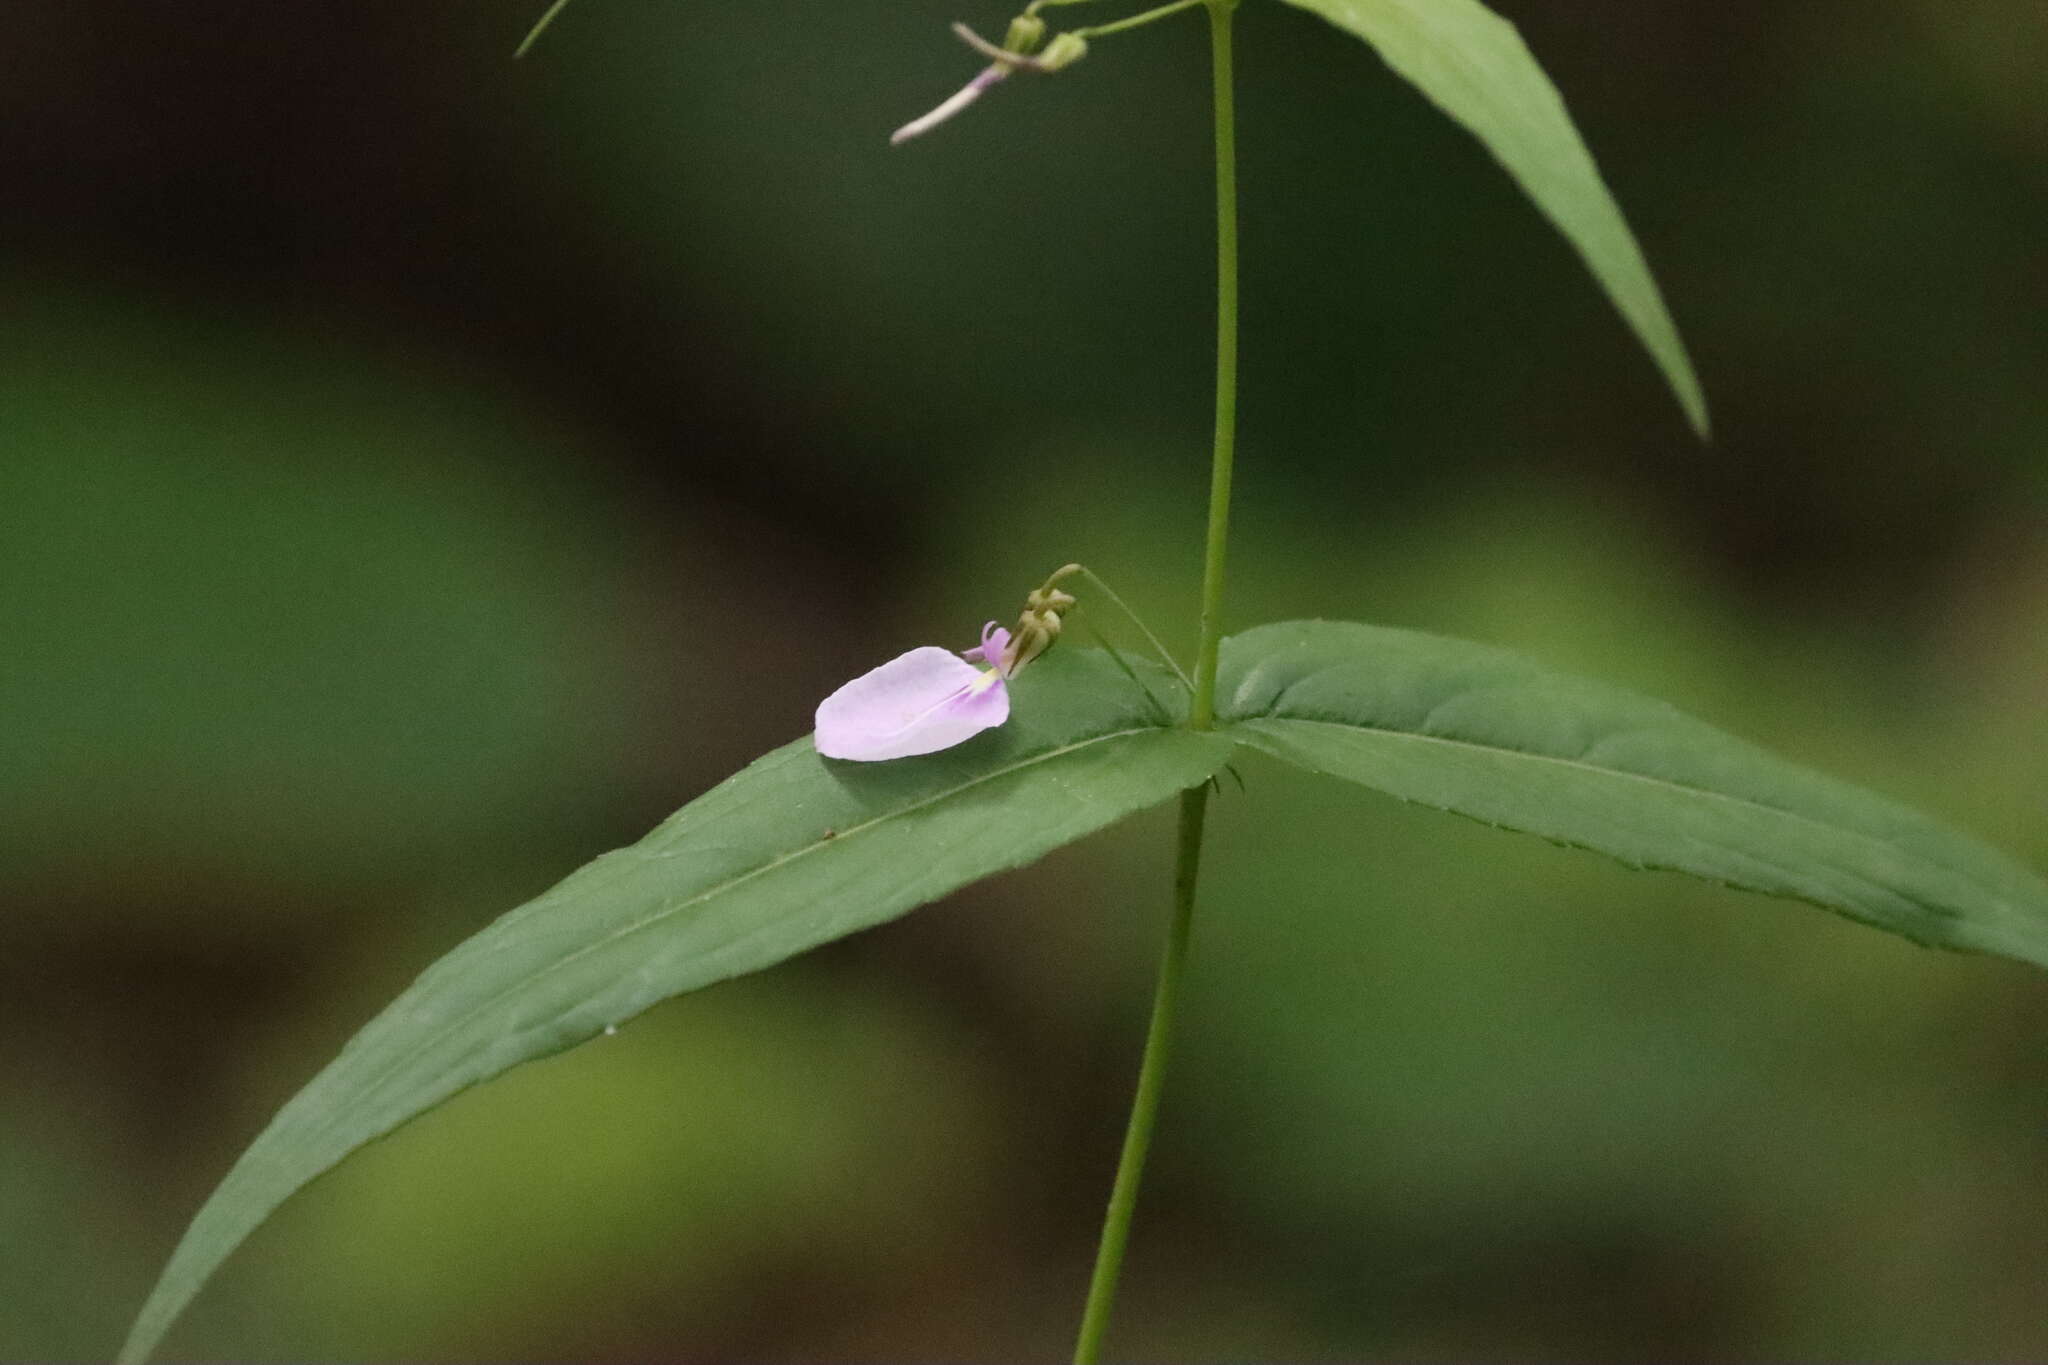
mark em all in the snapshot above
pixel 325 1132
pixel 1993 893
pixel 781 860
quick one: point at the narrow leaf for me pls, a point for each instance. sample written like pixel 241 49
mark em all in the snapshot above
pixel 1473 65
pixel 791 852
pixel 1495 736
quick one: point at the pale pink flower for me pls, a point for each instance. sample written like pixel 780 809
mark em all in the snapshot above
pixel 918 703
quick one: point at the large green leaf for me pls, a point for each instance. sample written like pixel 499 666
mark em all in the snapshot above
pixel 789 853
pixel 1472 65
pixel 1490 734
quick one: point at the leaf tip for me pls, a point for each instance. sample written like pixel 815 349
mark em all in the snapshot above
pixel 1694 402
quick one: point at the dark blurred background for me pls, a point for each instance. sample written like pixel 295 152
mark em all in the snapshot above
pixel 420 472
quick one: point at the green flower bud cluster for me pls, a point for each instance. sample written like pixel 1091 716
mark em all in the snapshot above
pixel 1027 31
pixel 1019 49
pixel 1040 623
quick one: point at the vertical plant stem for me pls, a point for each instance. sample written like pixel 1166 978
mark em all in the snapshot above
pixel 1130 1169
pixel 1203 712
pixel 1194 803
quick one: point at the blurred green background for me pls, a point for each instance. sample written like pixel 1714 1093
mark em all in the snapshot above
pixel 421 472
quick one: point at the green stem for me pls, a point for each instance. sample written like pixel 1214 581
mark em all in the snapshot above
pixel 1203 715
pixel 1036 5
pixel 1116 657
pixel 1194 803
pixel 1130 1168
pixel 1137 20
pixel 1153 640
pixel 533 34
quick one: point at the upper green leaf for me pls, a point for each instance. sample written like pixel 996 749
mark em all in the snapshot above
pixel 1498 737
pixel 1472 65
pixel 789 853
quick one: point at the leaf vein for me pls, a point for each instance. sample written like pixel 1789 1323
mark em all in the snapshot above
pixel 398 1065
pixel 1961 874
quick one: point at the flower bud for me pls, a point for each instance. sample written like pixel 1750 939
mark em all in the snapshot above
pixel 1026 31
pixel 1064 50
pixel 1027 642
pixel 1039 625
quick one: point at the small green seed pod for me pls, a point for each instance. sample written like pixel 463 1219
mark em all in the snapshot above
pixel 1026 32
pixel 1064 50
